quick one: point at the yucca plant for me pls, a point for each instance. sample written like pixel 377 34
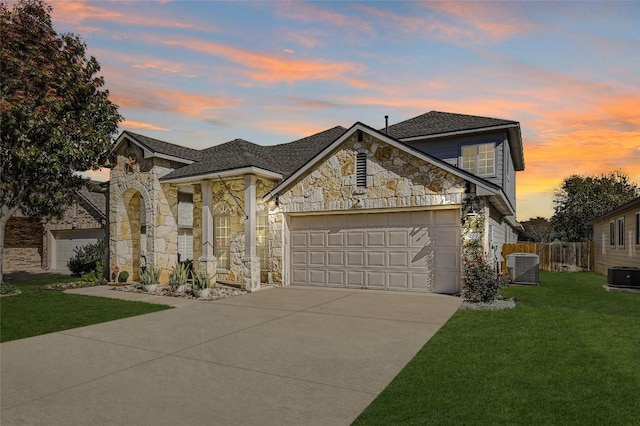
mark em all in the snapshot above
pixel 201 279
pixel 150 276
pixel 178 276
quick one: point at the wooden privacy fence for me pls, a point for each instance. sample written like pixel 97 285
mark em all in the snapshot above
pixel 555 256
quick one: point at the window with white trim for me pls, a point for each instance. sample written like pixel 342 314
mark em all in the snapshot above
pixel 621 231
pixel 479 159
pixel 222 238
pixel 262 241
pixel 612 233
pixel 185 244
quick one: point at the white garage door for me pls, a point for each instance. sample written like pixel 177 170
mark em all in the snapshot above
pixel 411 251
pixel 65 243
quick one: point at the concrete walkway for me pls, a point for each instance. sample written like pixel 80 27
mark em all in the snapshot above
pixel 276 357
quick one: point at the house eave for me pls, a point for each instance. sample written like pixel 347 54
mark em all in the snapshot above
pixel 257 171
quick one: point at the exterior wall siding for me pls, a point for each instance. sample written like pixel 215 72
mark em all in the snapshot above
pixel 450 149
pixel 23 244
pixel 607 256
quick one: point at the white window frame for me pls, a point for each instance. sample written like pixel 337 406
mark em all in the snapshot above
pixel 262 240
pixel 222 239
pixel 471 157
pixel 621 231
pixel 612 233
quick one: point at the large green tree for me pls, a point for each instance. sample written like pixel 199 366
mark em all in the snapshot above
pixel 55 117
pixel 538 229
pixel 581 199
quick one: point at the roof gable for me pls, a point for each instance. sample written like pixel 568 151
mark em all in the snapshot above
pixel 157 148
pixel 489 187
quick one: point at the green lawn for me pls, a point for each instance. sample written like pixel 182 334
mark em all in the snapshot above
pixel 36 312
pixel 568 354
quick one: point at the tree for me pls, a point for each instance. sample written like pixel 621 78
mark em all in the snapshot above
pixel 581 199
pixel 55 117
pixel 538 229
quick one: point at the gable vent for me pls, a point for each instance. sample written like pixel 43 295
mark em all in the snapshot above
pixel 361 170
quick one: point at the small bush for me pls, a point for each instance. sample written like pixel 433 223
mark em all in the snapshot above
pixel 6 288
pixel 89 258
pixel 150 276
pixel 123 276
pixel 480 282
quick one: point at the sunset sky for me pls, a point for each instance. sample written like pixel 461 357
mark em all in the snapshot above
pixel 200 73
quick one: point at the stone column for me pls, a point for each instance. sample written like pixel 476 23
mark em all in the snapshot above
pixel 208 260
pixel 250 262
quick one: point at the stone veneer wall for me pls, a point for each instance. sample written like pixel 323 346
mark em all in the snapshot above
pixel 223 200
pixel 395 179
pixel 159 202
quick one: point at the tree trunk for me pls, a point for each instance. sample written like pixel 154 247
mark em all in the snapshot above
pixel 5 214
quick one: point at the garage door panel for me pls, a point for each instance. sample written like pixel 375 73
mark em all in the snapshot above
pixel 355 258
pixel 335 239
pixel 317 276
pixel 423 258
pixel 299 239
pixel 376 238
pixel 398 238
pixel 376 258
pixel 376 279
pixel 316 239
pixel 445 237
pixel 355 278
pixel 336 278
pixel 398 259
pixel 335 258
pixel 446 259
pixel 355 239
pixel 398 280
pixel 299 258
pixel 317 258
pixel 399 251
pixel 299 275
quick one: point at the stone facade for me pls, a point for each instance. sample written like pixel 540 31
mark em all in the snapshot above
pixel 228 200
pixel 395 179
pixel 135 190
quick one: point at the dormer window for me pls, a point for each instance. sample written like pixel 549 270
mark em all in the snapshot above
pixel 361 170
pixel 479 159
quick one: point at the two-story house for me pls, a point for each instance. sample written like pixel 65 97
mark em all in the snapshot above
pixel 357 207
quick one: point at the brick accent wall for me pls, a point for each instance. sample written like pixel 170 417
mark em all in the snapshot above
pixel 23 244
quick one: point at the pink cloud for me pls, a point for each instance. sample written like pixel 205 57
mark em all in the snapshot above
pixel 140 125
pixel 273 69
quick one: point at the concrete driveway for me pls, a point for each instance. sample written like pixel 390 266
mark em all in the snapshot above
pixel 294 355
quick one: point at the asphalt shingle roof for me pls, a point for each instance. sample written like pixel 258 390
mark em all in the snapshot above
pixel 283 159
pixel 166 148
pixel 436 122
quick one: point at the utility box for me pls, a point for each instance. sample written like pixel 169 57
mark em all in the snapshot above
pixel 524 268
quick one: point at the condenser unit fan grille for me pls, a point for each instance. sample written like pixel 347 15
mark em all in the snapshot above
pixel 524 268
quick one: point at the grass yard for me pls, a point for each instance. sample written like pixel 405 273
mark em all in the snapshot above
pixel 36 312
pixel 568 354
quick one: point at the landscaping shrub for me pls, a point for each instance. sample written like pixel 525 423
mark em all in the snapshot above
pixel 480 282
pixel 6 288
pixel 88 259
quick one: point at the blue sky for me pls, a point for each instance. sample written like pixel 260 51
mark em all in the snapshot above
pixel 199 73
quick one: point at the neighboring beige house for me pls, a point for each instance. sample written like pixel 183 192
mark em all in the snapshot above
pixel 32 245
pixel 357 207
pixel 616 237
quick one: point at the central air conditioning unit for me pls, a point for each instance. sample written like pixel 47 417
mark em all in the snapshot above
pixel 524 268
